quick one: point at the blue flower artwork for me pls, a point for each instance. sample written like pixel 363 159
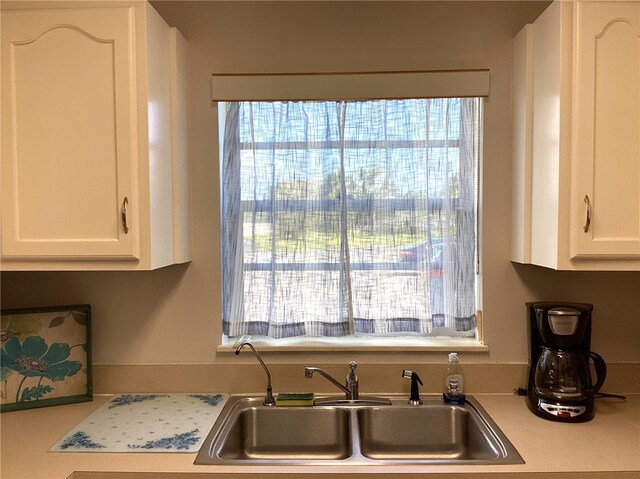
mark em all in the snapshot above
pixel 45 357
pixel 34 358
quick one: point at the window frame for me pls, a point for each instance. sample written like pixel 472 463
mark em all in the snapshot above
pixel 448 82
pixel 368 343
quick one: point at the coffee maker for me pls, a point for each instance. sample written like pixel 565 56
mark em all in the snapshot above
pixel 560 386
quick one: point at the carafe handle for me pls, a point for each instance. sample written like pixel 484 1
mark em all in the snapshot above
pixel 601 370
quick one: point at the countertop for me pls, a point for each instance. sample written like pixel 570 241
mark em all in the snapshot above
pixel 608 446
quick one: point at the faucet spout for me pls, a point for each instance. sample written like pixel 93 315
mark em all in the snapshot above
pixel 308 373
pixel 268 400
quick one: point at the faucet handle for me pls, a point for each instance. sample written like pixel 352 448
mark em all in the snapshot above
pixel 352 381
pixel 352 376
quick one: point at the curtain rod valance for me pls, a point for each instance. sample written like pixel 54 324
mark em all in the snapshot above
pixel 350 86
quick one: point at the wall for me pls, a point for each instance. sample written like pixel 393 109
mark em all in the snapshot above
pixel 171 316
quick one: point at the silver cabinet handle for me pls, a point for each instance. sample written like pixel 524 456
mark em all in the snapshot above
pixel 587 221
pixel 124 215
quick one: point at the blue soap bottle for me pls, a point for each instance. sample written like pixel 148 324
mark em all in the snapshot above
pixel 453 383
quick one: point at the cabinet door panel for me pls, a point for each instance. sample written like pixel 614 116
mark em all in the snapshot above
pixel 67 154
pixel 607 141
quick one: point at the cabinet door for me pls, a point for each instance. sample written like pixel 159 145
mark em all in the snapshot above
pixel 68 91
pixel 607 134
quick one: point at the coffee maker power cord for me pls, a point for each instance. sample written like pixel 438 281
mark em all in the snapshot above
pixel 607 395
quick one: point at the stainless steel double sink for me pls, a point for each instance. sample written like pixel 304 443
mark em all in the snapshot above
pixel 432 433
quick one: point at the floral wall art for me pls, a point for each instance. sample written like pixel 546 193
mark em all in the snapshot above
pixel 45 357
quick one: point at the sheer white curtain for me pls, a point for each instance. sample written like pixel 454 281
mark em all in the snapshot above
pixel 344 218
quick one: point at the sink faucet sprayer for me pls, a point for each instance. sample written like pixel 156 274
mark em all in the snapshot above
pixel 414 400
pixel 351 385
pixel 268 400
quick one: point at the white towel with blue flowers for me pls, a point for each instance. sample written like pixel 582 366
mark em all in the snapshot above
pixel 146 423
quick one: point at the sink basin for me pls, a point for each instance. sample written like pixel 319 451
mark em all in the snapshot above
pixel 248 432
pixel 257 433
pixel 435 432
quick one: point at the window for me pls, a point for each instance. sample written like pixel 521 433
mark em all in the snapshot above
pixel 350 217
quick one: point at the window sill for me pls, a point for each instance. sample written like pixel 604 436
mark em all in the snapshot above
pixel 379 344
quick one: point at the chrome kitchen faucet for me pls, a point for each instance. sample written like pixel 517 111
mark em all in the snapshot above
pixel 351 384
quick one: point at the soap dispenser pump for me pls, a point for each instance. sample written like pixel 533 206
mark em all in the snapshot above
pixel 453 384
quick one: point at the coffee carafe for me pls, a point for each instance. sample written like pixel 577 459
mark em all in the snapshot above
pixel 561 387
pixel 564 375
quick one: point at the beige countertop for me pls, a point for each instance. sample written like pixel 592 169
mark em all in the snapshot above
pixel 607 444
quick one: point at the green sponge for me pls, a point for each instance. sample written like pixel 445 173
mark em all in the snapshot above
pixel 294 399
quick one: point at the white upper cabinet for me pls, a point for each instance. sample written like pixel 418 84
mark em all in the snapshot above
pixel 607 131
pixel 576 143
pixel 94 160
